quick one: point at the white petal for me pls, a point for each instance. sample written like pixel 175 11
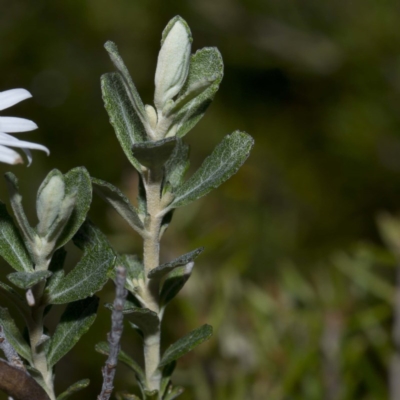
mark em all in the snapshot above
pixel 10 97
pixel 9 156
pixel 13 124
pixel 9 140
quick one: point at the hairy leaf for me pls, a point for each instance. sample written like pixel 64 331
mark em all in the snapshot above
pixel 76 387
pixel 136 101
pixel 75 322
pixel 186 344
pixel 127 125
pixel 205 74
pixel 92 271
pixel 12 247
pixel 26 280
pixel 116 199
pixel 224 161
pixel 162 270
pixel 77 181
pixel 14 336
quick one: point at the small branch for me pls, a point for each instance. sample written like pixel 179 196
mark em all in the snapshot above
pixel 9 351
pixel 114 337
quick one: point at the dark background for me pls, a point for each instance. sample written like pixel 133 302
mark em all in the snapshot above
pixel 292 248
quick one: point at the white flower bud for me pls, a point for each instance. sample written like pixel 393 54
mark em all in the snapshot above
pixel 49 201
pixel 173 62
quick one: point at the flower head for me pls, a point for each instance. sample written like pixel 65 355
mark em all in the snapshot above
pixel 12 125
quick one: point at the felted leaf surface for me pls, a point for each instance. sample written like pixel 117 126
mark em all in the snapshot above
pixel 12 247
pixel 131 90
pixel 178 164
pixel 154 154
pixel 123 117
pixel 174 282
pixel 26 280
pixel 159 272
pixel 77 181
pixel 14 336
pixel 116 199
pixel 205 74
pixel 91 273
pixel 186 344
pixel 104 348
pixel 76 387
pixel 75 322
pixel 224 161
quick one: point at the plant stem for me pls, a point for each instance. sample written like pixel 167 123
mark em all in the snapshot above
pixel 36 330
pixel 151 257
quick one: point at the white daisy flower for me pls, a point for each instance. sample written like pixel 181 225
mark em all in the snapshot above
pixel 12 125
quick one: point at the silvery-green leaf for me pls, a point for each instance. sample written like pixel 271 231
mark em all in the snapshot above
pixel 178 164
pixel 49 198
pixel 37 375
pixel 91 273
pixel 28 233
pixel 224 161
pixel 57 268
pixel 205 74
pixel 136 101
pixel 104 348
pixel 123 117
pixel 154 154
pixel 76 387
pixel 186 344
pixel 12 247
pixel 116 199
pixel 14 336
pixel 175 392
pixel 173 61
pixel 26 280
pixel 75 322
pixel 163 269
pixel 77 183
pixel 174 282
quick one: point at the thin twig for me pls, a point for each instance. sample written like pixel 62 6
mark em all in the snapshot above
pixel 114 336
pixel 9 351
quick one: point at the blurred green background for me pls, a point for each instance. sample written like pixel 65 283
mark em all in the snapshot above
pixel 295 278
